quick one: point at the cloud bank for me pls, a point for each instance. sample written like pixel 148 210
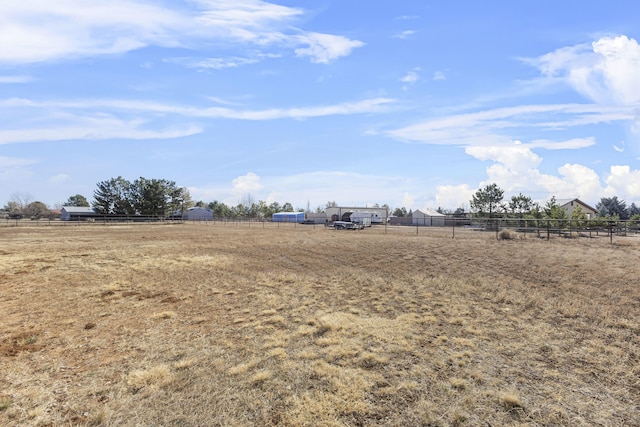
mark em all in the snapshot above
pixel 39 30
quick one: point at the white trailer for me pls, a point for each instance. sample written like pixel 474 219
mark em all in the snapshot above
pixel 366 218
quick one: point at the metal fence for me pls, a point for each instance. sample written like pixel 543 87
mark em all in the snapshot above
pixel 547 228
pixel 44 222
pixel 501 228
pixel 505 228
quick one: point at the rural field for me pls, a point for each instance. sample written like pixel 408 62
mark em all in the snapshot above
pixel 227 325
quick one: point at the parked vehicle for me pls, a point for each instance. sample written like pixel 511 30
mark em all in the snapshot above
pixel 347 225
pixel 366 218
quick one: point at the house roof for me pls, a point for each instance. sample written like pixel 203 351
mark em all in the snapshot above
pixel 78 210
pixel 428 212
pixel 565 202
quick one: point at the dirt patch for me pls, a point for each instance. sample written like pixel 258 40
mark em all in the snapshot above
pixel 21 342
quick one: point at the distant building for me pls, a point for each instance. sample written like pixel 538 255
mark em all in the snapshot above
pixel 428 217
pixel 197 213
pixel 288 217
pixel 570 205
pixel 343 213
pixel 77 213
pixel 317 217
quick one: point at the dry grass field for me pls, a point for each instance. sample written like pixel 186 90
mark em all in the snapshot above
pixel 220 325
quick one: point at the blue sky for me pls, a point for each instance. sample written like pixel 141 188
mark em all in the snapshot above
pixel 412 103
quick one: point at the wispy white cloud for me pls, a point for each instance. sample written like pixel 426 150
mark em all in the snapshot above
pixel 439 75
pixel 15 79
pixel 619 148
pixel 411 76
pixel 324 48
pixel 99 127
pixel 404 35
pixel 346 108
pixel 569 144
pixel 60 178
pixel 498 126
pixel 10 162
pixel 248 18
pixel 124 119
pixel 221 101
pixel 42 31
pixel 37 31
pixel 220 63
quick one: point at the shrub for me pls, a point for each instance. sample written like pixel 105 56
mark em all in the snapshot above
pixel 507 234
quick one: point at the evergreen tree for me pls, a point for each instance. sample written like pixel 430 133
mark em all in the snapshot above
pixel 112 197
pixel 158 197
pixel 400 212
pixel 552 210
pixel 487 200
pixel 219 209
pixel 520 205
pixel 611 207
pixel 287 207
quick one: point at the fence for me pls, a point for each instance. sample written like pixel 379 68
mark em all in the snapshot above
pixel 450 228
pixel 506 228
pixel 42 222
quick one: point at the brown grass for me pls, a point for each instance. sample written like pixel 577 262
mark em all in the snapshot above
pixel 197 325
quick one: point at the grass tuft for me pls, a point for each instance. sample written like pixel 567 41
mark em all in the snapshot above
pixel 157 376
pixel 458 383
pixel 260 377
pixel 164 315
pixel 510 400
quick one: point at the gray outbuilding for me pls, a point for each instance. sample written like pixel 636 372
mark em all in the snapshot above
pixel 198 213
pixel 77 213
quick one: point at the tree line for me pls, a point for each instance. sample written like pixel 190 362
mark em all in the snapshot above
pixel 488 202
pixel 149 197
pixel 162 198
pixel 143 196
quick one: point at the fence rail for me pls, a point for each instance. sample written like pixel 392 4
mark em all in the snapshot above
pixel 452 227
